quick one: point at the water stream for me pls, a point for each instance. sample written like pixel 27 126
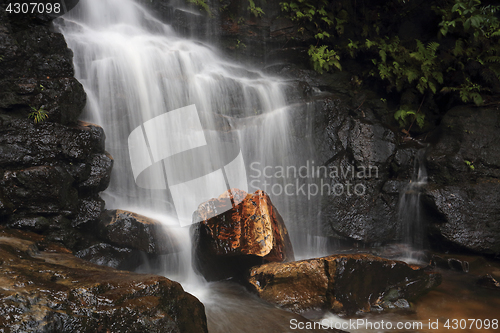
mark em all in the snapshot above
pixel 410 211
pixel 183 125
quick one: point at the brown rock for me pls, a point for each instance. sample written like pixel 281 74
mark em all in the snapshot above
pixel 250 233
pixel 488 281
pixel 341 283
pixel 57 292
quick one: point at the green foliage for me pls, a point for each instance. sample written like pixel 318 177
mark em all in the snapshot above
pixel 477 32
pixel 323 59
pixel 309 11
pixel 403 67
pixel 407 116
pixel 462 58
pixel 202 5
pixel 252 8
pixel 470 164
pixel 38 115
pixel 468 91
pixel 470 17
pixel 240 44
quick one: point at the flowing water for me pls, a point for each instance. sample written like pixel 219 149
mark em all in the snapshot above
pixel 410 210
pixel 183 125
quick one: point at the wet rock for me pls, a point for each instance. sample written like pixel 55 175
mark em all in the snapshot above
pixel 111 256
pixel 36 70
pixel 250 233
pixel 36 224
pixel 488 281
pixel 463 167
pixel 49 169
pixel 343 284
pixel 450 263
pixel 134 231
pixel 466 216
pixel 89 212
pixel 40 189
pixel 52 171
pixel 57 292
pixel 100 174
pixel 366 171
pixel 25 144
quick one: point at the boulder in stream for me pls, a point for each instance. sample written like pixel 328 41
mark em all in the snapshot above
pixel 249 234
pixel 126 238
pixel 344 284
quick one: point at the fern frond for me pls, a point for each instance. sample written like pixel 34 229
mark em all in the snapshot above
pixel 432 46
pixel 492 59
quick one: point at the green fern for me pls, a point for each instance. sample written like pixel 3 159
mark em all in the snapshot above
pixel 324 59
pixel 405 116
pixel 38 115
pixel 252 8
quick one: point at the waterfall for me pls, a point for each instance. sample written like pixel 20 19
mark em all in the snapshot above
pixel 410 209
pixel 182 122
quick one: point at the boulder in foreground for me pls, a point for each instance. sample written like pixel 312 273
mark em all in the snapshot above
pixel 53 291
pixel 250 233
pixel 344 284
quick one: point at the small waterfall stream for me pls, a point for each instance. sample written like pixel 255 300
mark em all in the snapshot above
pixel 410 209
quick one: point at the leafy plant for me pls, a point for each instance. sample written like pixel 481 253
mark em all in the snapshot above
pixel 406 116
pixel 404 67
pixel 38 115
pixel 470 164
pixel 468 91
pixel 323 59
pixel 239 44
pixel 252 8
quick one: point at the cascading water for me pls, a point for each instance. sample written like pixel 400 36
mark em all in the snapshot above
pixel 410 210
pixel 136 71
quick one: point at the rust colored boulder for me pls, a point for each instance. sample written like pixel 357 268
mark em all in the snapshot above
pixel 344 284
pixel 249 233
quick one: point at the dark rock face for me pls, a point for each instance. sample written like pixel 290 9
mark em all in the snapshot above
pixel 135 231
pixel 105 254
pixel 465 197
pixel 342 283
pixel 368 166
pixel 36 70
pixel 52 291
pixel 52 171
pixel 250 233
pixel 126 239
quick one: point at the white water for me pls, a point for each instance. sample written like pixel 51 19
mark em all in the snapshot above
pixel 135 69
pixel 410 211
